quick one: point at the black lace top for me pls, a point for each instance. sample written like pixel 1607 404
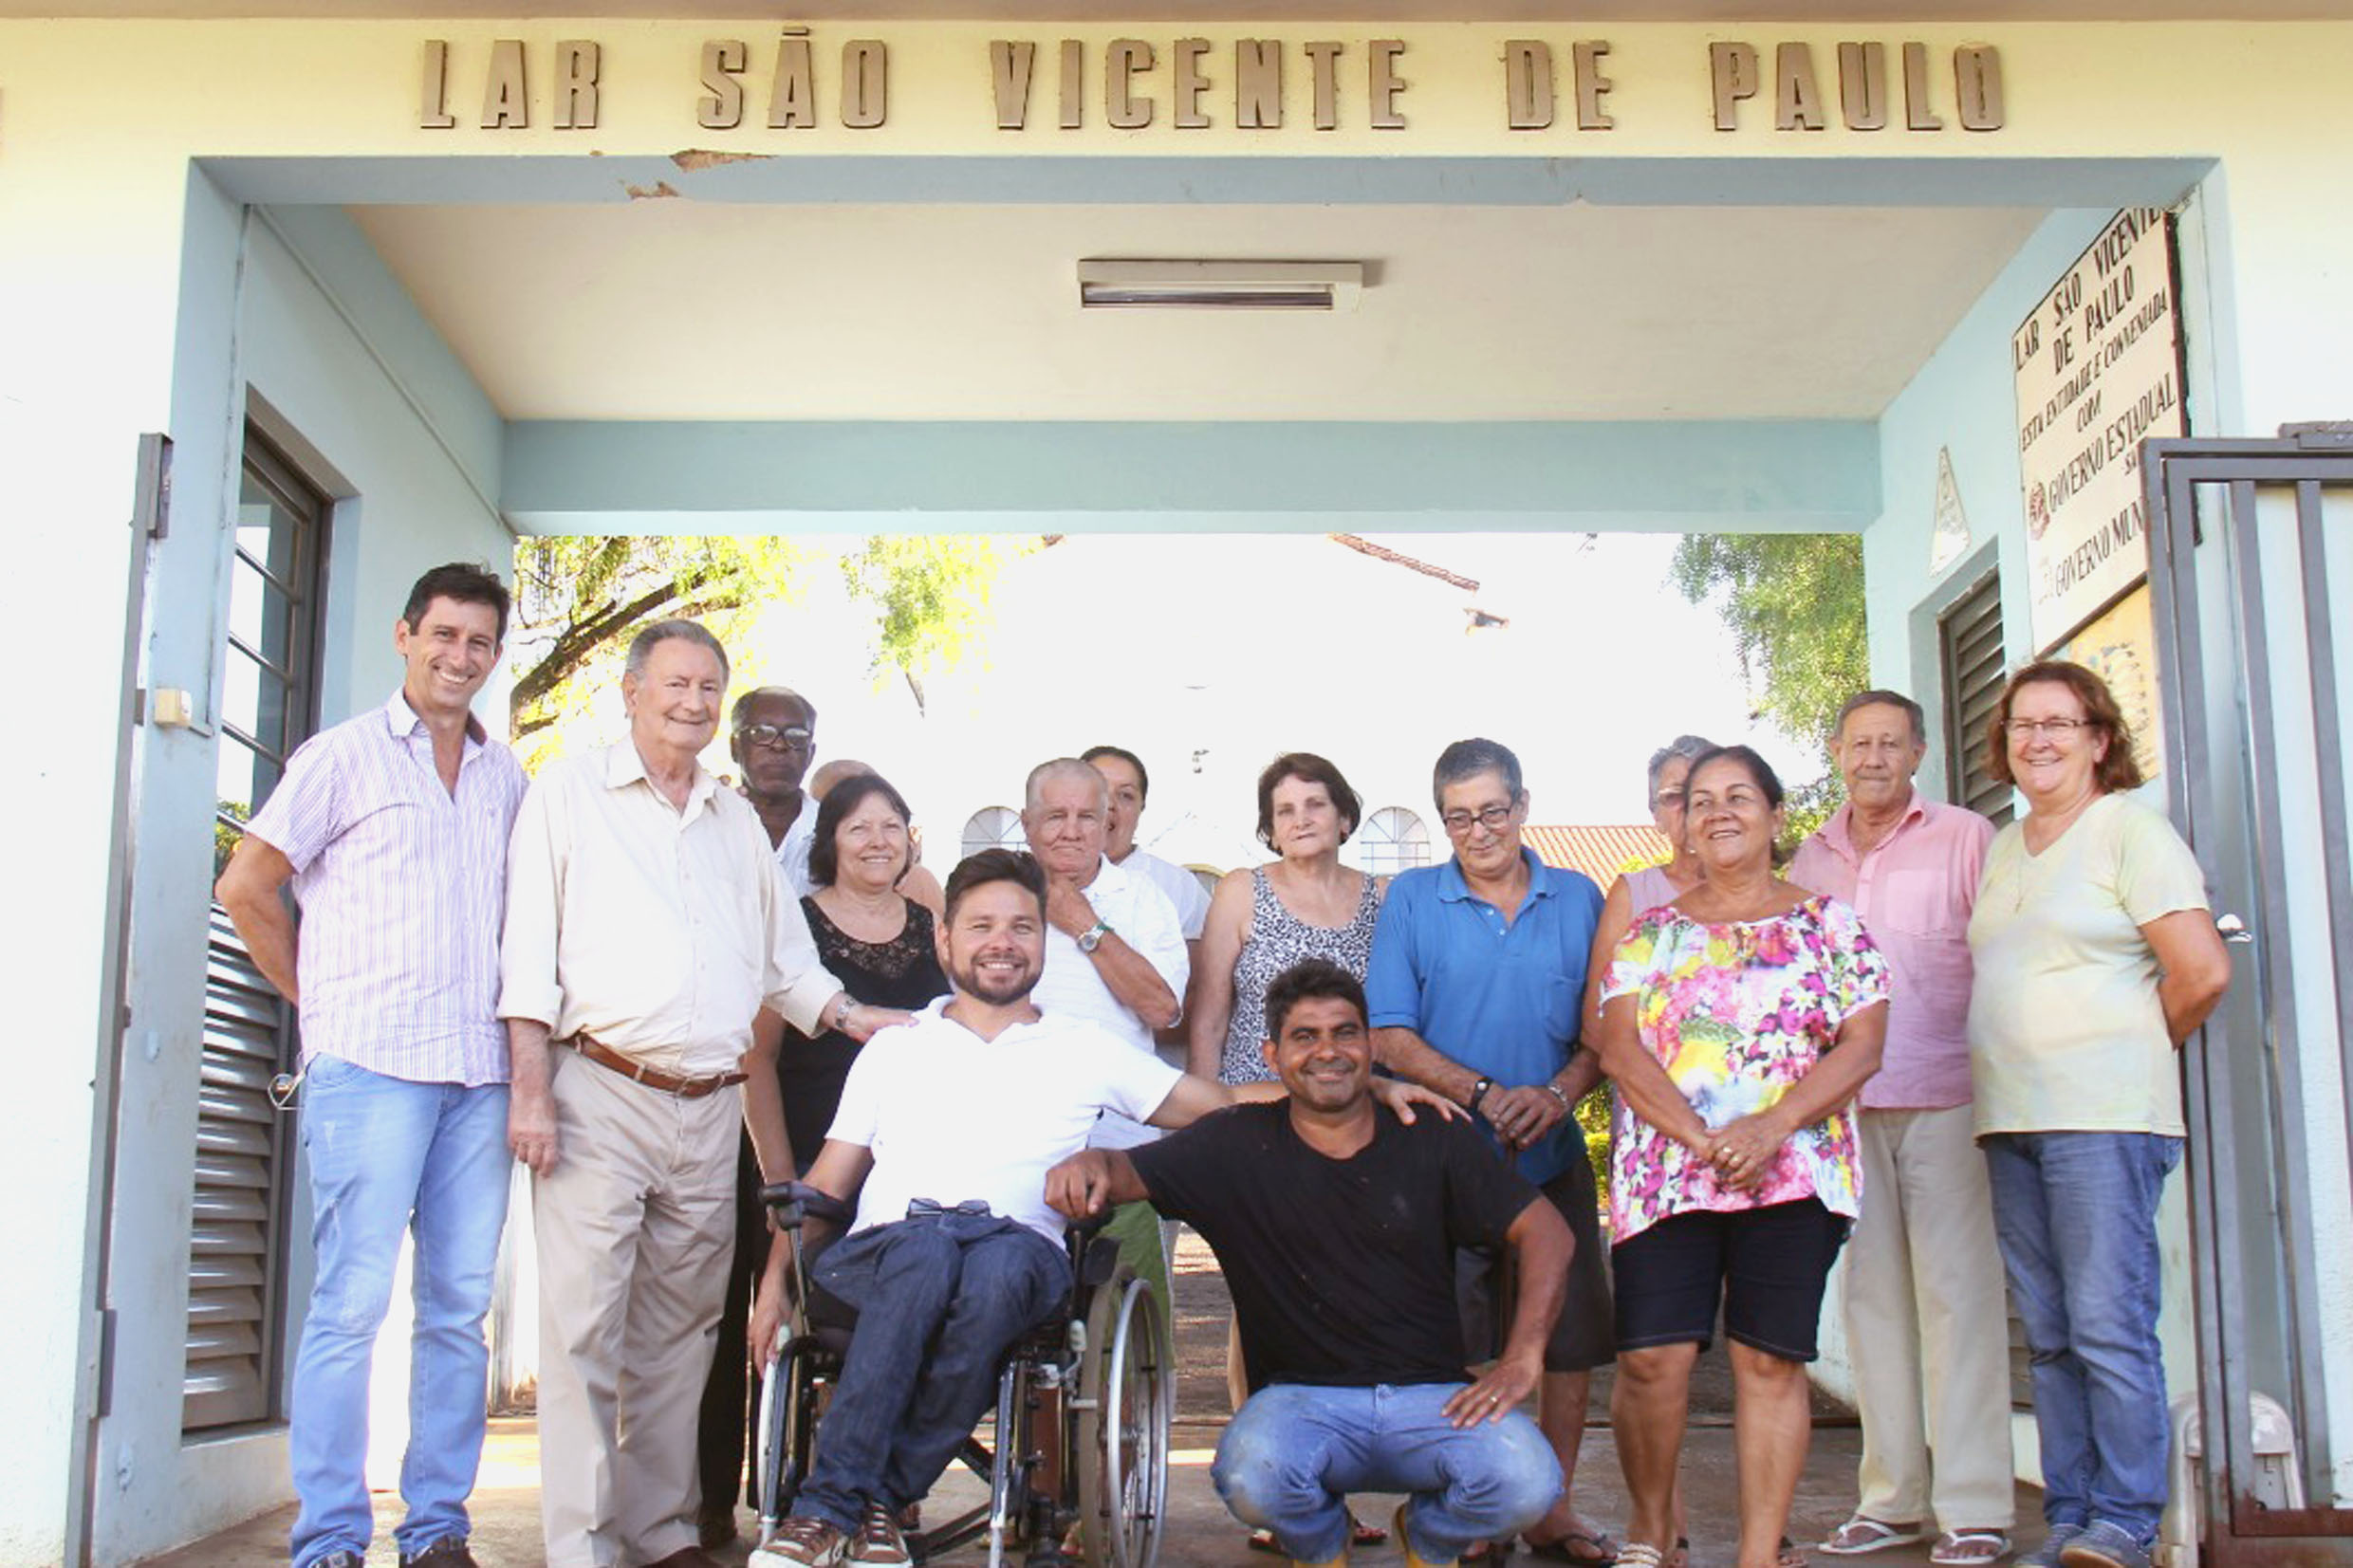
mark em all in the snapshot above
pixel 902 972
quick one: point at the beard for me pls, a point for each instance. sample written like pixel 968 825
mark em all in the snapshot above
pixel 995 988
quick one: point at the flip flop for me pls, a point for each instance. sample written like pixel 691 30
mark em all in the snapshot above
pixel 1603 1553
pixel 1970 1549
pixel 1359 1534
pixel 1860 1536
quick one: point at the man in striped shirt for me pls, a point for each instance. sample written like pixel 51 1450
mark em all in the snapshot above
pixel 392 828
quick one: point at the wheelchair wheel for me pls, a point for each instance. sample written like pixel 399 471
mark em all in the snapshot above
pixel 1128 1390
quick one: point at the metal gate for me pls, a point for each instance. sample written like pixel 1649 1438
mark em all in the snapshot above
pixel 2246 540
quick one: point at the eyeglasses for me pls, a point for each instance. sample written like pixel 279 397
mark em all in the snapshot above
pixel 2058 730
pixel 789 738
pixel 1494 819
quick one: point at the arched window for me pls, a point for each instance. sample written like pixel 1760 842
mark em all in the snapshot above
pixel 1394 840
pixel 993 827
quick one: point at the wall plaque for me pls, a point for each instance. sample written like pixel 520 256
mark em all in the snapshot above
pixel 2097 372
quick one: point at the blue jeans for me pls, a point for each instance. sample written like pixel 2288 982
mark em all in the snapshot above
pixel 2075 1214
pixel 940 1300
pixel 1293 1453
pixel 383 1152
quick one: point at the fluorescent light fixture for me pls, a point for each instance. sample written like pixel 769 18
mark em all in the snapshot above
pixel 1221 285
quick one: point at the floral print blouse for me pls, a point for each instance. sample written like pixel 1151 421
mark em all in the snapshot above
pixel 1737 1013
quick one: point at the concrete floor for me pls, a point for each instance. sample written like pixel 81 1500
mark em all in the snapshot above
pixel 1199 1533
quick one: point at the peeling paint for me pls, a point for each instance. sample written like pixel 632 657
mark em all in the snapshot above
pixel 704 157
pixel 642 192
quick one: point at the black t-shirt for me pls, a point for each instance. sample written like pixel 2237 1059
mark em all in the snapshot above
pixel 1342 1271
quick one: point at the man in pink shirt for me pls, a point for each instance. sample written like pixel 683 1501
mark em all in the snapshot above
pixel 1926 1319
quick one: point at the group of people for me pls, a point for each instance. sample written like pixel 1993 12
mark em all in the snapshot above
pixel 659 991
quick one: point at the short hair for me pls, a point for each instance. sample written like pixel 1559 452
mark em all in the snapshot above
pixel 766 694
pixel 1308 766
pixel 995 865
pixel 1471 758
pixel 1062 768
pixel 1310 979
pixel 1878 697
pixel 641 646
pixel 2115 771
pixel 824 862
pixel 1760 771
pixel 467 582
pixel 1685 746
pixel 1094 754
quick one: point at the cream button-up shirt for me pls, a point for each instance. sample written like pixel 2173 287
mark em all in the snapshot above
pixel 658 930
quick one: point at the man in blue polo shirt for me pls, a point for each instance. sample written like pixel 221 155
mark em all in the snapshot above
pixel 1477 968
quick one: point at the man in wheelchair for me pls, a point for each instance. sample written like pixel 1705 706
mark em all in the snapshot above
pixel 946 1129
pixel 1336 1225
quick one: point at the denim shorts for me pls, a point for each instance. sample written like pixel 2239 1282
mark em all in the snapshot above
pixel 1763 1268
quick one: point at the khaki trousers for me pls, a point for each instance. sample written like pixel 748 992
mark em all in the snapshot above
pixel 1928 1325
pixel 636 1228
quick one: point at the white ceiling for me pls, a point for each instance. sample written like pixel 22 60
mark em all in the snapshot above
pixel 678 309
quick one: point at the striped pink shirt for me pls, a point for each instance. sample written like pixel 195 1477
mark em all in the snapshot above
pixel 1914 890
pixel 404 891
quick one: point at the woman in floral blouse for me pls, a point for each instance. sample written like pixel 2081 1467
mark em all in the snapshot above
pixel 1738 1022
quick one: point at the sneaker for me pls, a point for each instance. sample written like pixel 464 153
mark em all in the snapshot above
pixel 2047 1555
pixel 448 1551
pixel 2103 1545
pixel 803 1542
pixel 877 1540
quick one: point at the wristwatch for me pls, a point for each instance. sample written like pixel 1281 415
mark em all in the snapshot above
pixel 1478 1093
pixel 1092 936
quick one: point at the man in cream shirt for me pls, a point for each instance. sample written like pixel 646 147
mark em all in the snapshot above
pixel 1114 955
pixel 646 922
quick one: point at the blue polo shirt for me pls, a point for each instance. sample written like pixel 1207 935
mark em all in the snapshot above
pixel 1501 998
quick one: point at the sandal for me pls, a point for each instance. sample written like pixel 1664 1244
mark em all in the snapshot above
pixel 1603 1553
pixel 1640 1554
pixel 1789 1555
pixel 1359 1534
pixel 1859 1535
pixel 1680 1556
pixel 1970 1548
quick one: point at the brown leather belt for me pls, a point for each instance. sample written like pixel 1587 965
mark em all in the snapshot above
pixel 653 1077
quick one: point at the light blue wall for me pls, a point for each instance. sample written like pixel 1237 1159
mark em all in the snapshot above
pixel 1962 401
pixel 291 320
pixel 408 443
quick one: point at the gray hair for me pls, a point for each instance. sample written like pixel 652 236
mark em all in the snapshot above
pixel 766 694
pixel 1063 767
pixel 1467 760
pixel 1893 699
pixel 641 646
pixel 1686 747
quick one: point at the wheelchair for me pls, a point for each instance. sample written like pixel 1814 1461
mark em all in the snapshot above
pixel 1079 1441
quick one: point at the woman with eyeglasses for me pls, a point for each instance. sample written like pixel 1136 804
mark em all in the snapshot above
pixel 2095 958
pixel 1739 1021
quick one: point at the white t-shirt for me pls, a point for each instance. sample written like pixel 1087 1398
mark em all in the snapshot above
pixel 793 852
pixel 951 1116
pixel 1184 889
pixel 1072 987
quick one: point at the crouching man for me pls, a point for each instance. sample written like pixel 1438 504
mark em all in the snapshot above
pixel 946 1129
pixel 1336 1225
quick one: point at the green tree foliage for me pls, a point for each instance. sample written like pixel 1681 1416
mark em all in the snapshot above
pixel 1794 603
pixel 578 601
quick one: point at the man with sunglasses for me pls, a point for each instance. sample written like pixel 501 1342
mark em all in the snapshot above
pixel 772 736
pixel 1477 971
